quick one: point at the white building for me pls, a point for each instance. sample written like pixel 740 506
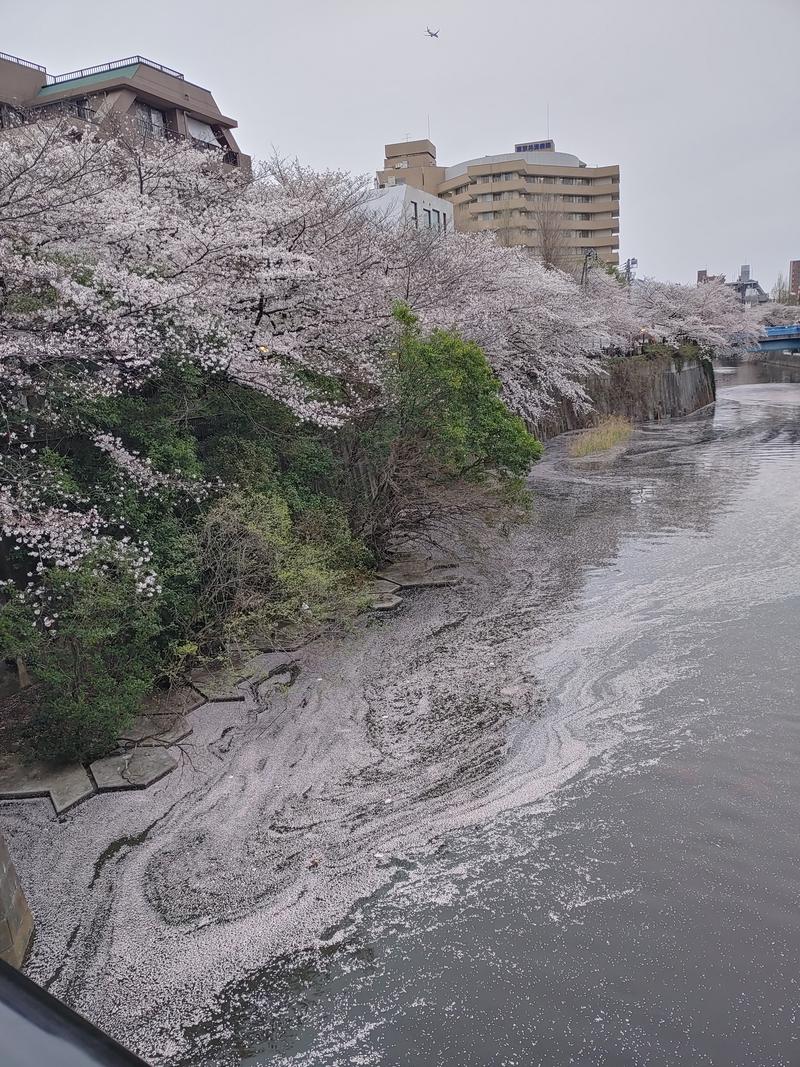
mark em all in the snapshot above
pixel 403 203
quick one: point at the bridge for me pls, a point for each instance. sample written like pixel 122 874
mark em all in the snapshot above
pixel 779 339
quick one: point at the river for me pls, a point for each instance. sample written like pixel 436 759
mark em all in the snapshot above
pixel 548 816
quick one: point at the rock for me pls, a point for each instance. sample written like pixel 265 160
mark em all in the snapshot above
pixel 132 770
pixel 416 578
pixel 384 586
pixel 386 602
pixel 218 686
pixel 72 786
pixel 65 786
pixel 149 732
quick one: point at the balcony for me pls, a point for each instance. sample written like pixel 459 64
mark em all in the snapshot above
pixel 156 132
pixel 13 118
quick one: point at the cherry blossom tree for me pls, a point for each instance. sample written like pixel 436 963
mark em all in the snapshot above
pixel 706 315
pixel 120 260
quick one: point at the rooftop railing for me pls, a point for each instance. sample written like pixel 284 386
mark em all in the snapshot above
pixel 23 62
pixel 102 68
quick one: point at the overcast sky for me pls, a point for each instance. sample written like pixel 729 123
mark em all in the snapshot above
pixel 697 100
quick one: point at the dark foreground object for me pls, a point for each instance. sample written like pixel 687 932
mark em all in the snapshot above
pixel 36 1030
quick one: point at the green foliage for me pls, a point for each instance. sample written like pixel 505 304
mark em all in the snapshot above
pixel 685 352
pixel 92 672
pixel 275 549
pixel 271 572
pixel 449 402
pixel 19 637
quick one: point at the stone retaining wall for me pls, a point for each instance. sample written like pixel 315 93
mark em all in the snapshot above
pixel 16 921
pixel 642 388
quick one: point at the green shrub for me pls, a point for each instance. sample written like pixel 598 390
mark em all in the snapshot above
pixel 449 402
pixel 265 574
pixel 92 672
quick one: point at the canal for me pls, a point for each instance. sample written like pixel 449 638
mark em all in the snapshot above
pixel 546 816
pixel 646 909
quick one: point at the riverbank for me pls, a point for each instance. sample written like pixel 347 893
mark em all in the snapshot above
pixel 386 767
pixel 306 795
pixel 658 383
pixel 313 791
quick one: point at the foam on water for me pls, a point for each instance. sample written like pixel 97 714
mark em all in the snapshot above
pixel 476 704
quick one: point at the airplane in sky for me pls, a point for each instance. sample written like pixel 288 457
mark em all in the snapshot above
pixel 431 33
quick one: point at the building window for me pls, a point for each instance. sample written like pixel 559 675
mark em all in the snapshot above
pixel 201 133
pixel 426 215
pixel 415 214
pixel 151 121
pixel 444 220
pixel 437 219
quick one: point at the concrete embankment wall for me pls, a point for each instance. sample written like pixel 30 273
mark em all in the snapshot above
pixel 790 360
pixel 16 921
pixel 642 388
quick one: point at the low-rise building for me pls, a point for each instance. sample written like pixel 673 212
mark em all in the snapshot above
pixel 154 100
pixel 403 204
pixel 528 197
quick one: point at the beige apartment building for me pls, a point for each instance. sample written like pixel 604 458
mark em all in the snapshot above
pixel 529 196
pixel 154 100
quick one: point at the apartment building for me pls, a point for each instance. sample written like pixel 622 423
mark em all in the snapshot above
pixel 794 278
pixel 529 196
pixel 155 101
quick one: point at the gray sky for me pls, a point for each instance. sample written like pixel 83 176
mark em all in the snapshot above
pixel 697 100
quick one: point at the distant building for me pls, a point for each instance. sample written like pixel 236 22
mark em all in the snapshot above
pixel 748 289
pixel 703 276
pixel 510 194
pixel 156 101
pixel 420 209
pixel 794 278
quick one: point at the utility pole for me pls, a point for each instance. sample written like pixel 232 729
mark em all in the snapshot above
pixel 627 268
pixel 588 258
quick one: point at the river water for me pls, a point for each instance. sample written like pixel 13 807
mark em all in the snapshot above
pixel 548 816
pixel 648 910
